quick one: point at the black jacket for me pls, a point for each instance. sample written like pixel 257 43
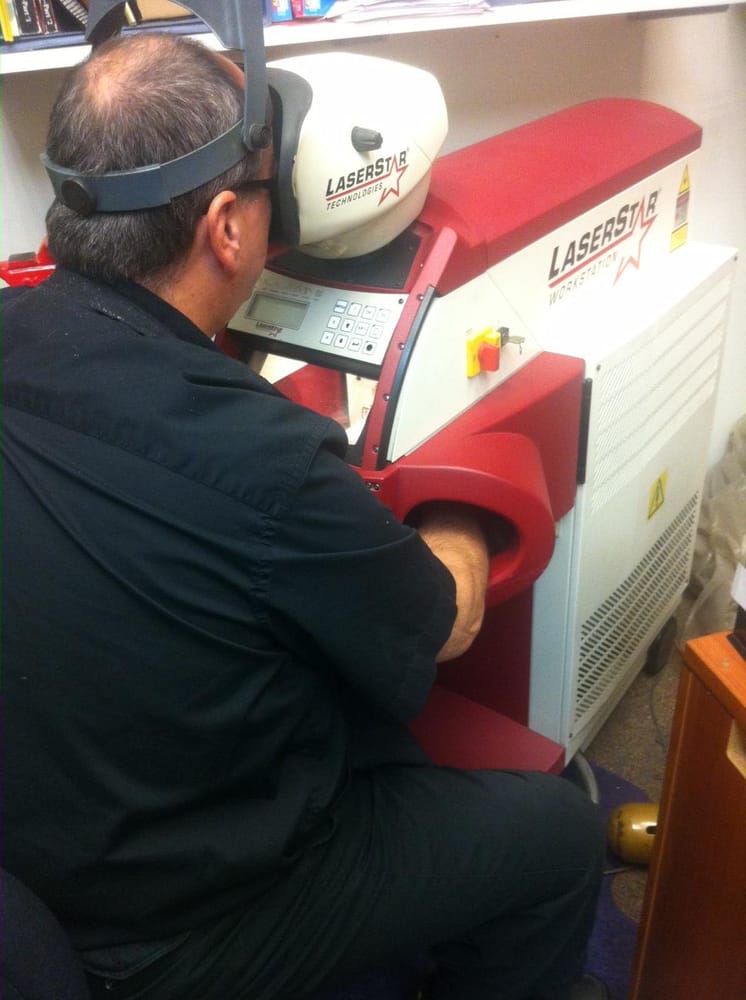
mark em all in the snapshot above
pixel 199 595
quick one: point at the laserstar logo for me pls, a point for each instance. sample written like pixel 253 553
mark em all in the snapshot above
pixel 382 177
pixel 617 241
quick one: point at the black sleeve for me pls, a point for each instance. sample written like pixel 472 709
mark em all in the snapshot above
pixel 362 587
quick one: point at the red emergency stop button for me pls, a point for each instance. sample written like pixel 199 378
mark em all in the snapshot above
pixel 489 356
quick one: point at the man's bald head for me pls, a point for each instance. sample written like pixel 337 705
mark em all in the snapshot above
pixel 139 100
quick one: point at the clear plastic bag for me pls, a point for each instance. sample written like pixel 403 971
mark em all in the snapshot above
pixel 720 544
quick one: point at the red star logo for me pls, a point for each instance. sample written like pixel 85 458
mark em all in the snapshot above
pixel 393 186
pixel 641 229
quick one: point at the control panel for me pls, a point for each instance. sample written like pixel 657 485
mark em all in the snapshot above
pixel 339 328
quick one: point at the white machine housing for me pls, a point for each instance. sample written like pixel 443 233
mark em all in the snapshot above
pixel 623 554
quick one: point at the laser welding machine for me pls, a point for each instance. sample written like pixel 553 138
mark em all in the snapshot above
pixel 524 326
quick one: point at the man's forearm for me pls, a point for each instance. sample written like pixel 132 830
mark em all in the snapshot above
pixel 454 535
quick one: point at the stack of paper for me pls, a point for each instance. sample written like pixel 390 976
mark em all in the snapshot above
pixel 370 10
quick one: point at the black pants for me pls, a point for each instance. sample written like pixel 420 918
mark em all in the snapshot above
pixel 495 874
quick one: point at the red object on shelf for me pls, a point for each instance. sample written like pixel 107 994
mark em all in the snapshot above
pixel 27 268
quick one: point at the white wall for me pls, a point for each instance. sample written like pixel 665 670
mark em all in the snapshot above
pixel 697 65
pixel 26 193
pixel 496 78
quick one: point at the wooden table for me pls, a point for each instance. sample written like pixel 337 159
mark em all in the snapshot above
pixel 692 938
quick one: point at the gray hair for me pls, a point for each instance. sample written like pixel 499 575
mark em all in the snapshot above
pixel 139 100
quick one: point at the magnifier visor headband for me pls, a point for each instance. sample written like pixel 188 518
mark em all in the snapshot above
pixel 150 186
pixel 238 24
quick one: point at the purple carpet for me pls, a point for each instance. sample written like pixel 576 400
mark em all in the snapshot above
pixel 611 947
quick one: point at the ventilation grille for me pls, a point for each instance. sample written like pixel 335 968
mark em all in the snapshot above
pixel 612 636
pixel 649 395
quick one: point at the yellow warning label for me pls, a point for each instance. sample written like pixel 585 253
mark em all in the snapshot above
pixel 680 230
pixel 657 495
pixel 679 236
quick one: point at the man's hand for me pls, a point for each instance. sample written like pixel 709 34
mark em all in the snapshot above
pixel 454 535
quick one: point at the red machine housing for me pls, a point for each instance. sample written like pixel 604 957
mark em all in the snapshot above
pixel 514 454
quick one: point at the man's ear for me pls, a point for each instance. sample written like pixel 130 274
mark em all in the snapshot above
pixel 224 230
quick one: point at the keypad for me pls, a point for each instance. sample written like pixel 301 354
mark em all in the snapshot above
pixel 355 327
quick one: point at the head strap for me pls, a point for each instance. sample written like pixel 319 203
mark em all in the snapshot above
pixel 238 24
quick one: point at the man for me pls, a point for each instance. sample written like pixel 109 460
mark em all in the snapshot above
pixel 214 635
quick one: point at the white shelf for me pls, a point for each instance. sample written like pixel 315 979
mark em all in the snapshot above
pixel 321 31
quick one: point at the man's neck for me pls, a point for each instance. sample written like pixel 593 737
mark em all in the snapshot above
pixel 189 296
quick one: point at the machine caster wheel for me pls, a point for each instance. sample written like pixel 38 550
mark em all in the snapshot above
pixel 661 648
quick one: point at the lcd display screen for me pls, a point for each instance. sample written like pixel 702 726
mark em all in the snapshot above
pixel 287 313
